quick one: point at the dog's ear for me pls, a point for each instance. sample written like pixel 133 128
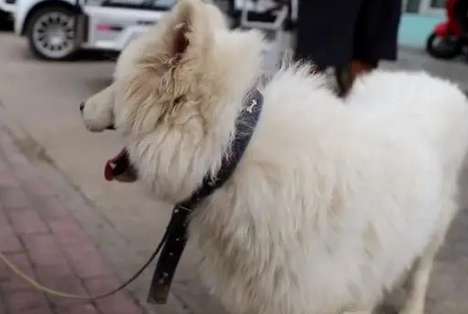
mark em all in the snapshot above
pixel 188 31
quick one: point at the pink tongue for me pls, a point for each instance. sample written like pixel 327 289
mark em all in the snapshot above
pixel 117 165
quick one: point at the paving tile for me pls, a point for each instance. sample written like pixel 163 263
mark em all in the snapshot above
pixel 4 222
pixel 68 232
pixel 79 308
pixel 27 221
pixel 10 244
pixel 44 250
pixel 61 280
pixel 50 208
pixel 8 177
pixel 87 260
pixel 120 303
pixel 13 197
pixel 13 282
pixel 22 301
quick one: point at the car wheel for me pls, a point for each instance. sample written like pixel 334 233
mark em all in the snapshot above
pixel 52 33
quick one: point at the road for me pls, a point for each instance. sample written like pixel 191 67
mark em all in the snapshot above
pixel 43 98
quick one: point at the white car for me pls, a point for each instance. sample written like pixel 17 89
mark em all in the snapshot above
pixel 56 29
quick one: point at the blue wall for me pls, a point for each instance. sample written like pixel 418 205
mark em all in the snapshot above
pixel 414 29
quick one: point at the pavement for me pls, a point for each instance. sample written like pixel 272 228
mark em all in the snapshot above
pixel 120 224
pixel 39 101
pixel 42 237
pixel 411 59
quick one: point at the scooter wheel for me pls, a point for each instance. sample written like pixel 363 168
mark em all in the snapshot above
pixel 443 48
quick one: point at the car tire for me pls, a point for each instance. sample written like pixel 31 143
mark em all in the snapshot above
pixel 52 33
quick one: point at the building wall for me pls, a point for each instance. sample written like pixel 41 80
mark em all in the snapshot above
pixel 418 20
pixel 423 6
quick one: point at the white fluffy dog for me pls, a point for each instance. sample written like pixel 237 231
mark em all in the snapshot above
pixel 333 202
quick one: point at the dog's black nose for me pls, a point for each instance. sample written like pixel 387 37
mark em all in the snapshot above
pixel 82 106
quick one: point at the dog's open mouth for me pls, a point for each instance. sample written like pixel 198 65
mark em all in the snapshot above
pixel 119 168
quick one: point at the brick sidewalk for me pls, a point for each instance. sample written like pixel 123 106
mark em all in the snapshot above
pixel 40 235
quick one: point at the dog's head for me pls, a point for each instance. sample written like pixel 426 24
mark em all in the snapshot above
pixel 175 95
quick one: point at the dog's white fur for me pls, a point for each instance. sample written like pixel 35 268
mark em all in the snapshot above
pixel 334 200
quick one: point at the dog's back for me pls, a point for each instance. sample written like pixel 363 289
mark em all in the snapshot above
pixel 416 103
pixel 367 184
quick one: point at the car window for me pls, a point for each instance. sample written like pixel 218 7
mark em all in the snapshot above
pixel 141 4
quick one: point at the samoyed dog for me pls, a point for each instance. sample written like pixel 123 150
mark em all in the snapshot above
pixel 333 202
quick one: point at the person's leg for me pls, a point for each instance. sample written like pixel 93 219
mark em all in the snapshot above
pixel 359 67
pixel 375 38
pixel 344 79
pixel 347 74
pixel 325 31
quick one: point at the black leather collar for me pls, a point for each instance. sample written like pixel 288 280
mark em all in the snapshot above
pixel 176 234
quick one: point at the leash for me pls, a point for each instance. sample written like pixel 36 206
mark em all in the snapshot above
pixel 174 240
pixel 61 294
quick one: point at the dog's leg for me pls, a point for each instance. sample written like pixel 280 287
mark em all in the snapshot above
pixel 418 280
